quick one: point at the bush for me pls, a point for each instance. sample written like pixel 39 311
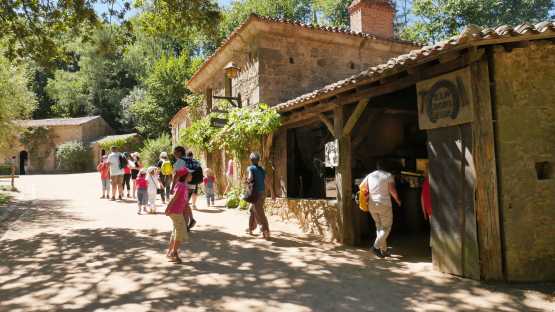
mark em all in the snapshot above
pixel 153 147
pixel 73 156
pixel 233 198
pixel 129 143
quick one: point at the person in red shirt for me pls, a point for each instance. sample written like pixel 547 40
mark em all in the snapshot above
pixel 209 183
pixel 426 199
pixel 175 210
pixel 104 168
pixel 142 191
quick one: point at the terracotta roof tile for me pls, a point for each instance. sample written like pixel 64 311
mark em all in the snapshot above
pixel 470 35
pixel 314 27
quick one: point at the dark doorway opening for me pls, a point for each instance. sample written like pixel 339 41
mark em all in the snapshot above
pixel 306 172
pixel 388 132
pixel 23 160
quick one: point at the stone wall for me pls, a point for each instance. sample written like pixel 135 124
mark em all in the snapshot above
pixel 289 68
pixel 315 216
pixel 95 129
pixel 525 106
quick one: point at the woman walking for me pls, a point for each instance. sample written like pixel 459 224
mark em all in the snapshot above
pixel 256 175
pixel 137 166
pixel 127 175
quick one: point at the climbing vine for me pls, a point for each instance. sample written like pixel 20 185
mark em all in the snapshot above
pixel 39 142
pixel 244 129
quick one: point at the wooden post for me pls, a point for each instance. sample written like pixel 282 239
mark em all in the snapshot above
pixel 486 197
pixel 343 179
pixel 13 178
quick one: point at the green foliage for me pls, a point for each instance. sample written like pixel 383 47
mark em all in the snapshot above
pixel 39 142
pixel 16 100
pixel 101 82
pixel 150 153
pixel 440 19
pixel 69 90
pixel 233 198
pixel 130 144
pixel 73 156
pixel 245 127
pixel 178 19
pixel 4 198
pixel 33 28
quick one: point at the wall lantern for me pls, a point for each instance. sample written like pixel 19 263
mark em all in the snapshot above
pixel 231 70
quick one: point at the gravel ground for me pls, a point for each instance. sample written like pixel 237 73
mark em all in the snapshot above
pixel 67 250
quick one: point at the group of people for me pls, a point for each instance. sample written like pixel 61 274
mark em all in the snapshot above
pixel 177 182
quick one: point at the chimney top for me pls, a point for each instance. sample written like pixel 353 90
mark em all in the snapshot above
pixel 372 17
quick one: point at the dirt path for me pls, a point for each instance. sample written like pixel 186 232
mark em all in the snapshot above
pixel 70 251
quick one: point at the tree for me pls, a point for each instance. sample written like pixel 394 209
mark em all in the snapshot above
pixel 440 19
pixel 334 12
pixel 16 100
pixel 34 28
pixel 178 19
pixel 165 93
pixel 99 81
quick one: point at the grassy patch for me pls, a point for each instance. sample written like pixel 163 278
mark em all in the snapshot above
pixel 4 198
pixel 7 188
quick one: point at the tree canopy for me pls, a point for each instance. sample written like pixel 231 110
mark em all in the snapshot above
pixel 130 65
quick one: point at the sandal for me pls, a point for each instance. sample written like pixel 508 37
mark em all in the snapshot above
pixel 266 235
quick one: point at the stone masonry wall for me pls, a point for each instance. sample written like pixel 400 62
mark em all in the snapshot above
pixel 525 105
pixel 289 69
pixel 315 216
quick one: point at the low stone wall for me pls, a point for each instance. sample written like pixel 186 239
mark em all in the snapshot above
pixel 315 216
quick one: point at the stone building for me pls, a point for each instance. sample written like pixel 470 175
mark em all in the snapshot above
pixel 478 109
pixel 59 131
pixel 177 123
pixel 280 59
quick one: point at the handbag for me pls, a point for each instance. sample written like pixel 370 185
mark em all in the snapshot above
pixel 251 194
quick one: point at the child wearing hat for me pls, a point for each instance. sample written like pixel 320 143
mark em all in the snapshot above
pixel 175 210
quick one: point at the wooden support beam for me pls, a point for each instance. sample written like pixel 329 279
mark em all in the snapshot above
pixel 348 224
pixel 328 124
pixel 355 116
pixel 486 197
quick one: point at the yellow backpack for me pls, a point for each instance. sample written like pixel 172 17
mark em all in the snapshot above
pixel 363 195
pixel 167 168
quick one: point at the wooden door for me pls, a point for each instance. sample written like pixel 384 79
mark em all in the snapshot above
pixel 452 179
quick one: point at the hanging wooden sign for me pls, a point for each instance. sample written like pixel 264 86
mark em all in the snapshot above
pixel 445 101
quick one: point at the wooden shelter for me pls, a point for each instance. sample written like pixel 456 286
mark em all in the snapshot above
pixel 479 107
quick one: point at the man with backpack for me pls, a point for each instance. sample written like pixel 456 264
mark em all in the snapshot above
pixel 166 173
pixel 197 177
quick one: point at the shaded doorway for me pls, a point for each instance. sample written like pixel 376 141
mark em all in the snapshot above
pixel 23 160
pixel 388 132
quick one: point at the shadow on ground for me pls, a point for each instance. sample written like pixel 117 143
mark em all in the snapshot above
pixel 119 269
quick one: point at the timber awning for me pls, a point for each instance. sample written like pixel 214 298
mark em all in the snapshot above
pixel 407 69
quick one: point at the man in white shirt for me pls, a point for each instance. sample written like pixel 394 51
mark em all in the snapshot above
pixel 381 187
pixel 116 173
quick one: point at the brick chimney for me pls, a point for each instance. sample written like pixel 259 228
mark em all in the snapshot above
pixel 372 17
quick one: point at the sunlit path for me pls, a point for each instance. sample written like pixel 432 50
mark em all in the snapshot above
pixel 71 251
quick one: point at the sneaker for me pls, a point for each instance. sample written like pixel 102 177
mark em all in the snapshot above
pixel 128 195
pixel 192 224
pixel 113 199
pixel 120 198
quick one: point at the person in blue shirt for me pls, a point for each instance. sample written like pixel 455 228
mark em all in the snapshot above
pixel 257 214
